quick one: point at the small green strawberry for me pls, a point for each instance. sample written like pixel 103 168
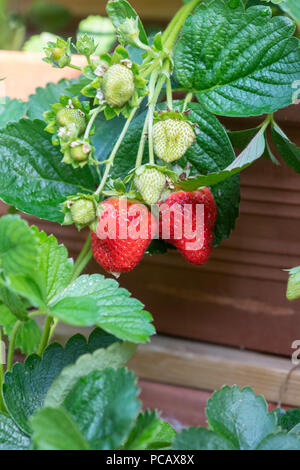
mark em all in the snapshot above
pixel 80 153
pixel 172 138
pixel 83 212
pixel 118 85
pixel 150 182
pixel 66 117
pixel 293 288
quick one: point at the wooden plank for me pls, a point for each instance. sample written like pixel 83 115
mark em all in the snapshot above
pixel 205 366
pixel 179 406
pixel 149 10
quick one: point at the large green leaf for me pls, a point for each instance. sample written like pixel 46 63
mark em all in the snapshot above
pixel 240 417
pixel 54 266
pixel 18 245
pixel 287 149
pixel 43 98
pixel 95 300
pixel 116 355
pixel 280 441
pixel 149 432
pixel 288 419
pixel 28 334
pixel 26 386
pixel 239 63
pixel 104 405
pixel 11 437
pixel 119 11
pixel 250 154
pixel 32 177
pixel 54 429
pixel 11 110
pixel 292 7
pixel 200 439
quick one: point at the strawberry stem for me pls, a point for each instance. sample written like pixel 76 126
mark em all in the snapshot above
pixel 45 335
pixel 12 342
pixel 114 152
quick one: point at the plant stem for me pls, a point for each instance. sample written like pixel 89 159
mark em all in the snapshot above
pixel 12 342
pixel 55 322
pixel 114 151
pixel 169 94
pixel 82 260
pixel 140 154
pixel 96 111
pixel 45 335
pixel 71 66
pixel 171 33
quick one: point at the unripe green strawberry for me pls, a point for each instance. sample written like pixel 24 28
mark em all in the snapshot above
pixel 172 138
pixel 118 85
pixel 150 183
pixel 57 53
pixel 83 212
pixel 80 153
pixel 293 288
pixel 68 116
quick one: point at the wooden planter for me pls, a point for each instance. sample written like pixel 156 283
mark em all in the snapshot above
pixel 238 298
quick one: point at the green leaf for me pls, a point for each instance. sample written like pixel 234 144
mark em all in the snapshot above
pixel 146 433
pixel 11 110
pixel 252 152
pixel 54 429
pixel 288 419
pixel 43 98
pixel 116 355
pixel 106 135
pixel 246 420
pixel 55 268
pixel 119 11
pixel 32 177
pixel 292 7
pixel 104 405
pixel 18 245
pixel 11 437
pixel 239 63
pixel 26 386
pixel 94 300
pixel 28 335
pixel 200 439
pixel 289 151
pixel 240 139
pixel 14 303
pixel 280 441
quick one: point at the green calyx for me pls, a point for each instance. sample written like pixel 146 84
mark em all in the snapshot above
pixel 171 114
pixel 58 53
pixel 80 210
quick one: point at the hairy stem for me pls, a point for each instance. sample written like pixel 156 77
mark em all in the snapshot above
pixel 114 152
pixel 171 33
pixel 45 336
pixel 95 113
pixel 12 342
pixel 140 154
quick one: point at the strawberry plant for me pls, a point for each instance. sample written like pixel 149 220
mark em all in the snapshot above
pixel 99 152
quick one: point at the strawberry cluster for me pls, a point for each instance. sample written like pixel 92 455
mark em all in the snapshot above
pixel 125 229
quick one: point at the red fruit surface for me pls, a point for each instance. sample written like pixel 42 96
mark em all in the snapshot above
pixel 123 235
pixel 204 197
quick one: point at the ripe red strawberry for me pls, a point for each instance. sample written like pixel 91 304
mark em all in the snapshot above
pixel 125 229
pixel 192 246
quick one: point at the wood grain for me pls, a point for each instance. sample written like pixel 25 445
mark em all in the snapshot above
pixel 209 367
